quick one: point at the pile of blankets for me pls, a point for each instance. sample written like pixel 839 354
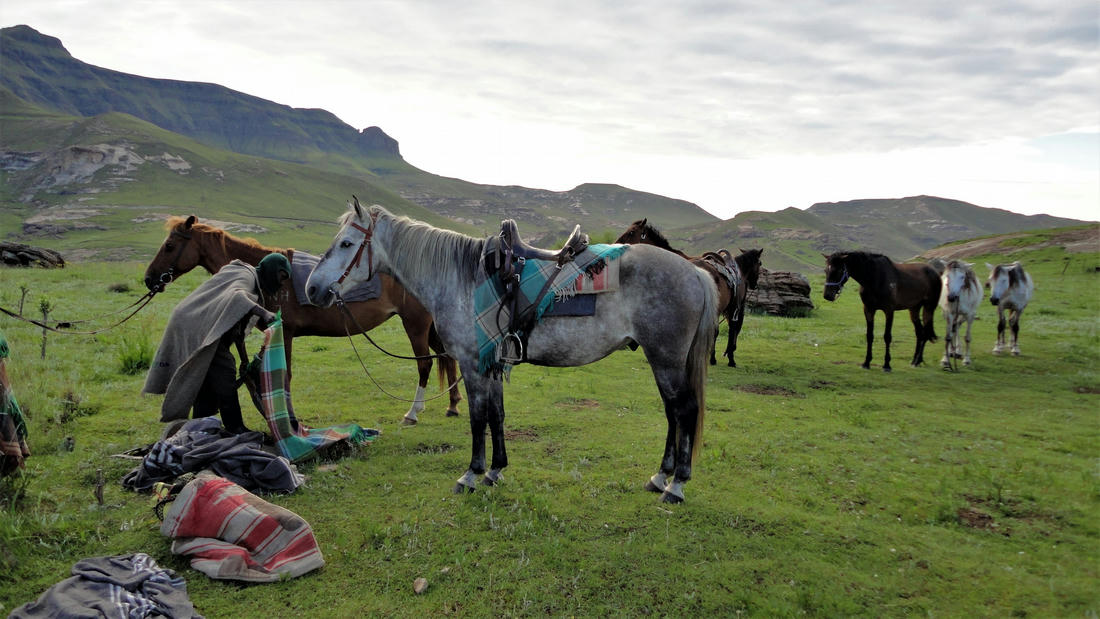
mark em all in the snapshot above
pixel 230 533
pixel 123 586
pixel 203 444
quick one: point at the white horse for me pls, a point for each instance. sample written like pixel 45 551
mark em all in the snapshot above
pixel 959 299
pixel 1010 290
pixel 664 305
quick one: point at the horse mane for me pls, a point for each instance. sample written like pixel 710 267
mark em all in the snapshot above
pixel 427 252
pixel 220 235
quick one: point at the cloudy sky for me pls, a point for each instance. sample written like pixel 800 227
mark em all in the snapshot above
pixel 734 105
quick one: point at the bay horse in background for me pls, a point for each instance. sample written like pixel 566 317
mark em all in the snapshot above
pixel 959 301
pixel 887 286
pixel 1010 289
pixel 673 323
pixel 731 298
pixel 191 244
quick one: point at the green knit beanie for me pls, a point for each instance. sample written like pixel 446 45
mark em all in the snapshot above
pixel 268 272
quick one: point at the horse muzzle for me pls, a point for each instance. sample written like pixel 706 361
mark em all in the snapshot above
pixel 994 300
pixel 829 295
pixel 320 297
pixel 951 298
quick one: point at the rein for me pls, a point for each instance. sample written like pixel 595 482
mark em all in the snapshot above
pixel 63 326
pixel 343 307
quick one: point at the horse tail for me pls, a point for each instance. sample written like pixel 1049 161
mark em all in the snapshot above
pixel 699 354
pixel 443 368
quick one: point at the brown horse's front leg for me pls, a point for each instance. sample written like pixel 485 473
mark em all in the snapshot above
pixel 416 328
pixel 869 317
pixel 887 337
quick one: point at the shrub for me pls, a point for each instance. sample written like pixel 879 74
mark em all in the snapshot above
pixel 135 354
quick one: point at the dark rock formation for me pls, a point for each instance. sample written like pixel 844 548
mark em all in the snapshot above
pixel 19 255
pixel 780 293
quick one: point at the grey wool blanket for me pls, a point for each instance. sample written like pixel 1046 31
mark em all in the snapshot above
pixel 191 337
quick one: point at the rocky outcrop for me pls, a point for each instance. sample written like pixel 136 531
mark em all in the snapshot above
pixel 781 293
pixel 19 255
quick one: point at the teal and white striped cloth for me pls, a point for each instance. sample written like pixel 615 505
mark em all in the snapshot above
pixel 295 441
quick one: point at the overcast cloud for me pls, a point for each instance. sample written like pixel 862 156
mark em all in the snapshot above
pixel 733 105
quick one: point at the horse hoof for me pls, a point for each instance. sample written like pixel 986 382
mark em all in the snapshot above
pixel 491 478
pixel 406 421
pixel 713 362
pixel 452 413
pixel 652 487
pixel 865 366
pixel 461 488
pixel 732 364
pixel 887 369
pixel 668 497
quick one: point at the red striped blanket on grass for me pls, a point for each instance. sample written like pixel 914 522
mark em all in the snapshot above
pixel 232 534
pixel 295 441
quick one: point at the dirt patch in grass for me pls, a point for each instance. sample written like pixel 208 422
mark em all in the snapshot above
pixel 770 390
pixel 970 517
pixel 821 384
pixel 1084 389
pixel 580 404
pixel 521 434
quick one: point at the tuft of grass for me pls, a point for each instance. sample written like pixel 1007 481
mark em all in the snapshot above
pixel 135 354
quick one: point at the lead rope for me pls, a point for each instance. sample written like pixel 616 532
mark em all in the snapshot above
pixel 358 357
pixel 63 326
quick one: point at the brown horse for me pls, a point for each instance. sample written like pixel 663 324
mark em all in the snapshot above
pixel 190 244
pixel 731 294
pixel 887 286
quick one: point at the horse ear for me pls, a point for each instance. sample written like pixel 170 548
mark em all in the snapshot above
pixel 355 205
pixel 644 220
pixel 989 266
pixel 191 220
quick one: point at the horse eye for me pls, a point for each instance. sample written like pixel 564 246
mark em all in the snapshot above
pixel 345 244
pixel 168 247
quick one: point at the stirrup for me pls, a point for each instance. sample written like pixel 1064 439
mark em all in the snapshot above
pixel 511 349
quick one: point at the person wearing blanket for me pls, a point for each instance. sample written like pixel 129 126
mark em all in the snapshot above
pixel 193 367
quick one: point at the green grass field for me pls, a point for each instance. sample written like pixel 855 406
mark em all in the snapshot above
pixel 822 488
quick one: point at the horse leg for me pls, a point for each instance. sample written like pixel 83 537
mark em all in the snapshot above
pixel 416 328
pixel 661 478
pixel 1015 332
pixel 969 324
pixel 887 337
pixel 948 339
pixel 869 316
pixel 999 346
pixel 682 412
pixel 483 394
pixel 496 432
pixel 918 329
pixel 735 332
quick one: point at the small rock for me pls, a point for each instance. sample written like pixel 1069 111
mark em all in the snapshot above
pixel 420 585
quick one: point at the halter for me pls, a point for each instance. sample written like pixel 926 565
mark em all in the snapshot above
pixel 368 234
pixel 168 276
pixel 840 284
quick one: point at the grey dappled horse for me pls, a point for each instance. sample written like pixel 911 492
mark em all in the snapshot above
pixel 663 304
pixel 1010 289
pixel 959 301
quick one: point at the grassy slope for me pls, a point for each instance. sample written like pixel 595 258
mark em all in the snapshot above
pixel 297 203
pixel 823 488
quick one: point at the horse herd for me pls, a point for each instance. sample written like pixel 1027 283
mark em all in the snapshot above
pixel 667 303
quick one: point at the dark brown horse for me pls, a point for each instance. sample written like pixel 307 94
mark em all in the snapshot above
pixel 887 286
pixel 191 244
pixel 731 295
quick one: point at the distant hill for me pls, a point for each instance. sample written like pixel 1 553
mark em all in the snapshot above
pixel 38 69
pixel 900 228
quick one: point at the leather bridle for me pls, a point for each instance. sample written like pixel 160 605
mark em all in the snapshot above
pixel 838 285
pixel 169 276
pixel 368 235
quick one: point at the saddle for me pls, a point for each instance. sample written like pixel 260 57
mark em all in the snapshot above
pixel 513 251
pixel 723 263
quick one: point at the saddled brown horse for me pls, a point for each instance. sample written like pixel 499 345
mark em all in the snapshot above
pixel 191 244
pixel 887 286
pixel 731 295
